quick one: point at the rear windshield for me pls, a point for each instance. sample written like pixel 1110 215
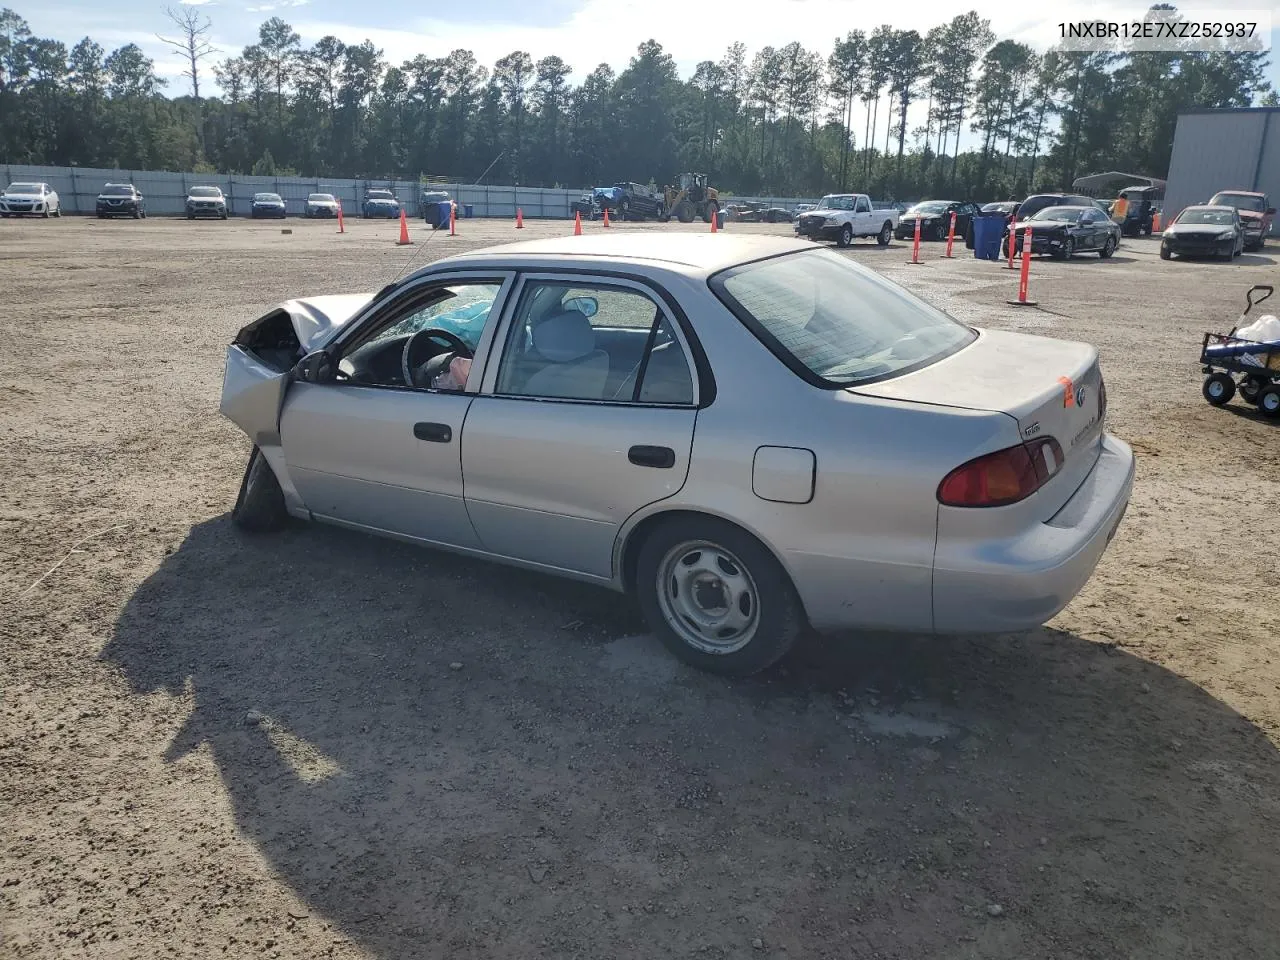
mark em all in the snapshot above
pixel 321 197
pixel 1067 214
pixel 1241 201
pixel 1225 218
pixel 117 191
pixel 205 192
pixel 834 322
pixel 1033 204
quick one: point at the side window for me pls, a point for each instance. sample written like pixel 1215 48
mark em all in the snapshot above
pixel 576 341
pixel 864 205
pixel 391 354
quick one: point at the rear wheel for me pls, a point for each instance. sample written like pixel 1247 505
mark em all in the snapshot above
pixel 1251 389
pixel 1218 388
pixel 940 232
pixel 260 505
pixel 1269 402
pixel 885 235
pixel 716 597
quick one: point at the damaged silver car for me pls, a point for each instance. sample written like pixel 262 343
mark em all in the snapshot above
pixel 750 435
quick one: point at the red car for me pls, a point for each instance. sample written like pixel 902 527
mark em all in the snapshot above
pixel 1256 213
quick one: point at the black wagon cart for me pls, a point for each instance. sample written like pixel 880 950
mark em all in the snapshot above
pixel 1234 363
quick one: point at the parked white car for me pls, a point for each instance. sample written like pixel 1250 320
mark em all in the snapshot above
pixel 30 200
pixel 843 217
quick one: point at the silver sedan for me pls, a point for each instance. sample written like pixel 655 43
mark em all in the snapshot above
pixel 750 435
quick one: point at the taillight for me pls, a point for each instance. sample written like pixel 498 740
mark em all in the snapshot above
pixel 1004 477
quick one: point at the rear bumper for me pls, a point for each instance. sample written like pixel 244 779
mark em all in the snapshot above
pixel 984 586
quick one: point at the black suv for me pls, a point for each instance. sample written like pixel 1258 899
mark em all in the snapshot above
pixel 121 199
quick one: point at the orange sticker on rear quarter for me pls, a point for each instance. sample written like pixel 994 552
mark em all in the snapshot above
pixel 1069 392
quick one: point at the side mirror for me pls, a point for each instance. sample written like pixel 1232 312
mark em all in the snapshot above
pixel 587 306
pixel 1271 211
pixel 316 367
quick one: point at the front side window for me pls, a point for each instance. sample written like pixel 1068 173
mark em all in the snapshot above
pixel 834 322
pixel 864 205
pixel 593 341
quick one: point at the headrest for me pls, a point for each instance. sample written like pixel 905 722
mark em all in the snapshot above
pixel 564 336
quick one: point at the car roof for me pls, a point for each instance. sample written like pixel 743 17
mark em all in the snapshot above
pixel 698 252
pixel 1243 193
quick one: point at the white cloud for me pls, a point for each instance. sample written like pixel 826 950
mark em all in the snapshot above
pixel 199 3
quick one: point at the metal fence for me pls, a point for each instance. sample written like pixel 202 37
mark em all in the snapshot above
pixel 165 193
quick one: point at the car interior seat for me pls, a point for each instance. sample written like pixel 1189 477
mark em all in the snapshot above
pixel 566 359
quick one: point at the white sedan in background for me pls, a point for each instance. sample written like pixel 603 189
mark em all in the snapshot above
pixel 30 200
pixel 749 434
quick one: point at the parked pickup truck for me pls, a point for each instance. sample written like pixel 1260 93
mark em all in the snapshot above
pixel 842 217
pixel 1256 213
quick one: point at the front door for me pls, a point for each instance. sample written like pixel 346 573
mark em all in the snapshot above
pixel 379 447
pixel 587 418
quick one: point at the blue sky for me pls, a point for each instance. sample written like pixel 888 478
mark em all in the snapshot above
pixel 583 32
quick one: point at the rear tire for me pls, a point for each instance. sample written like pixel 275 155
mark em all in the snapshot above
pixel 260 504
pixel 885 234
pixel 716 597
pixel 1251 389
pixel 1218 389
pixel 1269 402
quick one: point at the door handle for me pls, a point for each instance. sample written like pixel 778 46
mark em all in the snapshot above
pixel 433 432
pixel 661 457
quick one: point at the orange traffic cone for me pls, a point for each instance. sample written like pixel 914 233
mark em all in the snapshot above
pixel 606 216
pixel 1155 222
pixel 715 215
pixel 453 219
pixel 341 227
pixel 404 231
pixel 519 219
pixel 577 223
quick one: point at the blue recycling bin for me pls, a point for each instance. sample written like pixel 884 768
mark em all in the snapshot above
pixel 468 210
pixel 988 232
pixel 441 219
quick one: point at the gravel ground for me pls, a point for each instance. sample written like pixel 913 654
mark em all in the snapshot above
pixel 321 745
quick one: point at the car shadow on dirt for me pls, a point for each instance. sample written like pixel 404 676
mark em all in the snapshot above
pixel 446 757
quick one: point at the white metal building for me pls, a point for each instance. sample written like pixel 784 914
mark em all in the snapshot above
pixel 1233 149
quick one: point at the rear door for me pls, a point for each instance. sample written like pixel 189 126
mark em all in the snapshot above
pixel 583 421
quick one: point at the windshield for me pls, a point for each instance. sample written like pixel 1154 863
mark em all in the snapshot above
pixel 840 322
pixel 267 197
pixel 1241 201
pixel 1033 204
pixel 204 192
pixel 1222 218
pixel 835 203
pixel 379 195
pixel 930 206
pixel 117 191
pixel 321 197
pixel 1066 214
pixel 23 188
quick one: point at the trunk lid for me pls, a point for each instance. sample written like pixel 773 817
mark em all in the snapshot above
pixel 1052 388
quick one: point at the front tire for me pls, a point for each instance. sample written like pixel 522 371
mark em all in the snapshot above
pixel 716 597
pixel 1065 251
pixel 1165 254
pixel 260 504
pixel 1218 389
pixel 1108 248
pixel 845 237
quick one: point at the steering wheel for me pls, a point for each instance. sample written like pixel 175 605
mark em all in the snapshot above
pixel 408 357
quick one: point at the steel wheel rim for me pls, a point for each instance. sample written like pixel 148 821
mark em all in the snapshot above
pixel 1217 388
pixel 708 597
pixel 1271 402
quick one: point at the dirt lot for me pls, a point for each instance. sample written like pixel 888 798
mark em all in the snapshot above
pixel 220 746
